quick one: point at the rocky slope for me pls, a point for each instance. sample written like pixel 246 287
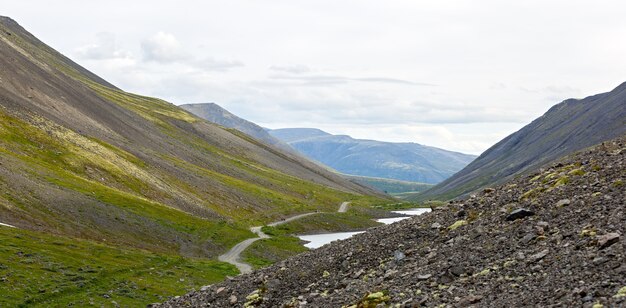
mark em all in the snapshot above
pixel 401 161
pixel 553 238
pixel 567 127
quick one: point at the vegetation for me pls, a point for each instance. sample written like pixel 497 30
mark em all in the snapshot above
pixel 284 244
pixel 266 252
pixel 42 270
pixel 395 188
pixel 129 189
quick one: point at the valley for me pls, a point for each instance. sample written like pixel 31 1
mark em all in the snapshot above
pixel 345 182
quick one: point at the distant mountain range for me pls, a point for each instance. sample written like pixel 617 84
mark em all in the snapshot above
pixel 388 167
pixel 401 161
pixel 567 127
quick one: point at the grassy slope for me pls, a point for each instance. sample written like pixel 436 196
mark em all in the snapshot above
pixel 42 270
pixel 185 195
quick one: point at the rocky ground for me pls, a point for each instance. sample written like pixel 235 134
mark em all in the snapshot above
pixel 553 238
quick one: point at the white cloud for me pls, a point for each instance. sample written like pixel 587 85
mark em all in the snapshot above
pixel 292 69
pixel 163 47
pixel 105 48
pixel 454 74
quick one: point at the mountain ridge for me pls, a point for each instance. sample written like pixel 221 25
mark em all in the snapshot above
pixel 566 127
pixel 400 161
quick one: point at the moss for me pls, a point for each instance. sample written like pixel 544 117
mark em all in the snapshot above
pixel 457 224
pixel 564 180
pixel 618 183
pixel 374 299
pixel 588 232
pixel 484 272
pixel 620 293
pixel 532 193
pixel 577 172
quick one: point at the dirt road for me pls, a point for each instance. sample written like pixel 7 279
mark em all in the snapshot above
pixel 233 256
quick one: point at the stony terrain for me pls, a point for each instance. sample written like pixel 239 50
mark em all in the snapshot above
pixel 556 237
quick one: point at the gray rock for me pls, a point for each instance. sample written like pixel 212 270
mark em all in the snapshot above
pixel 518 214
pixel 563 202
pixel 608 239
pixel 457 270
pixel 528 238
pixel 435 225
pixel 538 256
pixel 398 255
pixel 461 213
pixel 424 276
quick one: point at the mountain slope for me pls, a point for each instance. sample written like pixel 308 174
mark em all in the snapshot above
pixel 216 114
pixel 568 251
pixel 401 161
pixel 80 158
pixel 567 127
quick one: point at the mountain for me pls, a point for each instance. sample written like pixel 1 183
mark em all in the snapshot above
pixel 91 176
pixel 290 135
pixel 537 241
pixel 567 127
pixel 395 188
pixel 216 114
pixel 401 161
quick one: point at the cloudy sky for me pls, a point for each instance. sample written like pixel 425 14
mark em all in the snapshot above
pixel 459 75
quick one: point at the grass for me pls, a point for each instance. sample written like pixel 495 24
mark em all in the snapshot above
pixel 403 205
pixel 42 270
pixel 396 188
pixel 323 222
pixel 284 244
pixel 266 252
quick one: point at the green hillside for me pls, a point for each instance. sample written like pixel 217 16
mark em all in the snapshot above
pixel 90 167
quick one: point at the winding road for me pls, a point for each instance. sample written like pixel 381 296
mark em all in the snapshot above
pixel 233 256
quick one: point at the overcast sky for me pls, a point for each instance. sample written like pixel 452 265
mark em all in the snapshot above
pixel 459 75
